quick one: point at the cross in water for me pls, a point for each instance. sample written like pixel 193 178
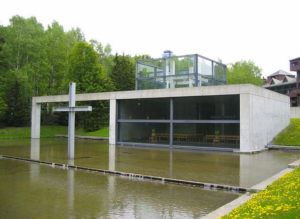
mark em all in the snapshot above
pixel 72 109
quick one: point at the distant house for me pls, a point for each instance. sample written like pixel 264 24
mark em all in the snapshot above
pixel 286 83
pixel 281 81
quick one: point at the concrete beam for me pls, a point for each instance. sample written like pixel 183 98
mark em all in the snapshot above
pixel 176 92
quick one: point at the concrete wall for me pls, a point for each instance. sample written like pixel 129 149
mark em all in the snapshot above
pixel 263 114
pixel 295 112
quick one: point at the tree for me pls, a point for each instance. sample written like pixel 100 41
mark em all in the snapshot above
pixel 123 73
pixel 24 49
pixel 3 68
pixel 86 71
pixel 244 72
pixel 17 98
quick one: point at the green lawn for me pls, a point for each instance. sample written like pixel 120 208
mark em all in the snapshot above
pixel 47 132
pixel 290 135
pixel 104 132
pixel 280 200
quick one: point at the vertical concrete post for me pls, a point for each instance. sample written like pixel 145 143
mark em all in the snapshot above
pixel 112 121
pixel 245 122
pixel 35 119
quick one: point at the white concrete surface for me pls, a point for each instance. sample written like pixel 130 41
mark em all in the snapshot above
pixel 263 114
pixel 175 92
pixel 226 209
pixel 295 112
pixel 35 119
pixel 112 121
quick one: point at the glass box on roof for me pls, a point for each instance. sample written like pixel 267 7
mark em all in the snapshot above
pixel 179 71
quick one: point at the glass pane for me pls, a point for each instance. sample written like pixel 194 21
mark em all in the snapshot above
pixel 180 81
pixel 150 133
pixel 144 109
pixel 185 65
pixel 153 83
pixel 204 67
pixel 150 68
pixel 206 80
pixel 226 107
pixel 219 72
pixel 207 135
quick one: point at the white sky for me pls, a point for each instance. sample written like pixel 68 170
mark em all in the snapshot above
pixel 264 31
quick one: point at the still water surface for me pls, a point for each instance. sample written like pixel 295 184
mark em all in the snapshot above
pixel 215 167
pixel 30 190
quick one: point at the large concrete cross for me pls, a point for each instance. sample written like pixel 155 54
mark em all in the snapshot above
pixel 72 109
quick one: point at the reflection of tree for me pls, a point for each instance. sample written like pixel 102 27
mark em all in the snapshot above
pixel 219 72
pixel 183 65
pixel 151 84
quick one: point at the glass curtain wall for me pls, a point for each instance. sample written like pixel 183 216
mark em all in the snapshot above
pixel 179 71
pixel 144 121
pixel 208 121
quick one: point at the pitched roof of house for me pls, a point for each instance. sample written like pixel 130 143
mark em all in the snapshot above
pixel 281 72
pixel 275 82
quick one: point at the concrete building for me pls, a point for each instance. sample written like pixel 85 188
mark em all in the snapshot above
pixel 241 118
pixel 183 102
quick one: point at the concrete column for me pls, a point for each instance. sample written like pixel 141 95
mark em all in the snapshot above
pixel 35 119
pixel 71 136
pixel 245 122
pixel 112 121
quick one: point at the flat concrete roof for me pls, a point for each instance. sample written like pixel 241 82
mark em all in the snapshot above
pixel 175 92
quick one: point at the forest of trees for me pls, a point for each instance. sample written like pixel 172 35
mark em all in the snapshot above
pixel 36 61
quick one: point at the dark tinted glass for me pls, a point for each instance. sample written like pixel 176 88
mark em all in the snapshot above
pixel 150 133
pixel 226 107
pixel 144 109
pixel 207 135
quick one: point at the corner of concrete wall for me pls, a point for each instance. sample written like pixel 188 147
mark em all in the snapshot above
pixel 245 123
pixel 263 114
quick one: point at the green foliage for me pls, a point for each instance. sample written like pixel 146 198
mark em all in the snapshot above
pixel 24 132
pixel 48 132
pixel 244 72
pixel 17 98
pixel 123 73
pixel 290 135
pixel 86 70
pixel 103 132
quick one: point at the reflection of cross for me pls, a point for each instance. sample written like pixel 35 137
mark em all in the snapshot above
pixel 72 109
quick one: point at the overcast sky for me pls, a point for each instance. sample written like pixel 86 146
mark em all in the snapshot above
pixel 264 31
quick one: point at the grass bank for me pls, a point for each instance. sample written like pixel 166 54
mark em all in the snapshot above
pixel 47 132
pixel 280 200
pixel 289 136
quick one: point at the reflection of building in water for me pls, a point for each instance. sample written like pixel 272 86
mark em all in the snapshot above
pixel 71 190
pixel 34 155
